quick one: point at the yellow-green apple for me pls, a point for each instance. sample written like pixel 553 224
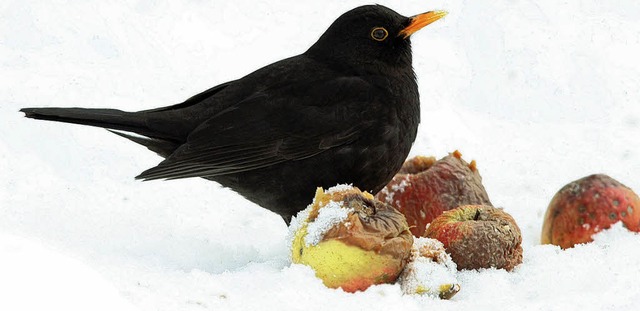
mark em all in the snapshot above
pixel 351 240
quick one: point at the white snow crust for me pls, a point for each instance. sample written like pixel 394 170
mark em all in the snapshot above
pixel 330 215
pixel 540 93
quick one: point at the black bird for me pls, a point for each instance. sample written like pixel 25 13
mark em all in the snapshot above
pixel 345 111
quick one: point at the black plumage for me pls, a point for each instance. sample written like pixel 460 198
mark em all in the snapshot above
pixel 345 111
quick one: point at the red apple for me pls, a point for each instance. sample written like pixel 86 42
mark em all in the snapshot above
pixel 424 188
pixel 587 206
pixel 478 236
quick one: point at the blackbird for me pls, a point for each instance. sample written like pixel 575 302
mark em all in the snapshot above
pixel 346 111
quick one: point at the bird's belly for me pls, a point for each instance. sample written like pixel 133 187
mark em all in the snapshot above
pixel 289 187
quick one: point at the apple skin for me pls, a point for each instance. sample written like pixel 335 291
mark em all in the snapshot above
pixel 587 206
pixel 478 236
pixel 370 246
pixel 349 267
pixel 424 188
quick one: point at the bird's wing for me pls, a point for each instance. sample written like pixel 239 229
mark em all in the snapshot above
pixel 195 99
pixel 290 123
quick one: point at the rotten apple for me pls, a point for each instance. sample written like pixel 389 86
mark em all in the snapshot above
pixel 478 236
pixel 587 206
pixel 424 188
pixel 351 240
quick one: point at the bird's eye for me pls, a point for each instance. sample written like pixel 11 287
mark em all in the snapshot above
pixel 379 33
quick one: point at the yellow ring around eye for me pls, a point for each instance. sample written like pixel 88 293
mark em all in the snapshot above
pixel 375 34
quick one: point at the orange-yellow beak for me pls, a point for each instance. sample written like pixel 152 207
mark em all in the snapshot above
pixel 421 20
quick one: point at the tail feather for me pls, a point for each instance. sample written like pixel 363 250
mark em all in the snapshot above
pixel 160 146
pixel 106 118
pixel 163 143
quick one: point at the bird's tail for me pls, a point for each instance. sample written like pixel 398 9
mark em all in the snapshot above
pixel 134 122
pixel 105 118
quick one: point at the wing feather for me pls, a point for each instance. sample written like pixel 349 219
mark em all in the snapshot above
pixel 271 127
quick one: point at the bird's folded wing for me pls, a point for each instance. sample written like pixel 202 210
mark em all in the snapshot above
pixel 271 127
pixel 195 99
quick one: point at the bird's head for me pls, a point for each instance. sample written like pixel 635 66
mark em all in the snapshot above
pixel 371 35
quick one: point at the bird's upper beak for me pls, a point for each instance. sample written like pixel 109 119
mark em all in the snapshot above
pixel 421 20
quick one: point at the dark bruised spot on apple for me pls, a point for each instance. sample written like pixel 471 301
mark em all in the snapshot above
pixel 581 208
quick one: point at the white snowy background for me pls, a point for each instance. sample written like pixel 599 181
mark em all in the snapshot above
pixel 540 93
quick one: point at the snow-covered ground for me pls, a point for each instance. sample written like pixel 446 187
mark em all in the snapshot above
pixel 539 93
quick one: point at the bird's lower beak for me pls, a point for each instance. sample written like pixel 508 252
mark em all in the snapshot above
pixel 421 20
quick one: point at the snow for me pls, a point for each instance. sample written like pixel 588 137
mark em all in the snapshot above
pixel 539 93
pixel 331 214
pixel 297 222
pixel 339 188
pixel 27 268
pixel 429 268
pixel 395 188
